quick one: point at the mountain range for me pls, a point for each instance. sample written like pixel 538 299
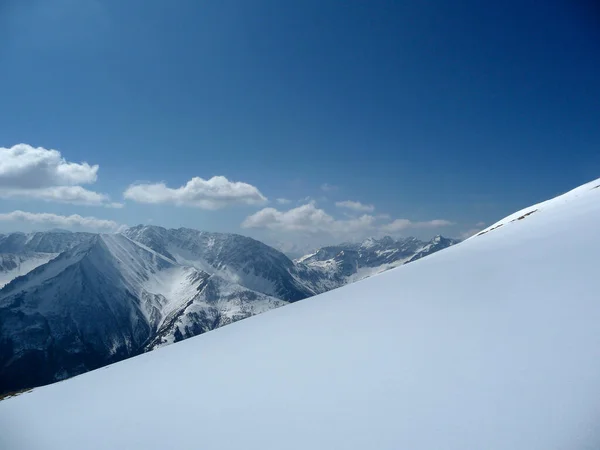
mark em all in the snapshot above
pixel 73 302
pixel 492 343
pixel 355 261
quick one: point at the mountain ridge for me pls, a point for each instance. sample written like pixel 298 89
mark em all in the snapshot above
pixel 105 297
pixel 353 261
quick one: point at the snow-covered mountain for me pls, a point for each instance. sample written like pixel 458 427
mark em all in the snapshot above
pixel 354 261
pixel 20 253
pixel 218 302
pixel 239 259
pixel 13 265
pixel 72 302
pixel 501 351
pixel 104 300
pixel 41 242
pixel 76 301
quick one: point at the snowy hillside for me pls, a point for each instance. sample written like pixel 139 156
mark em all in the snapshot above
pixel 493 343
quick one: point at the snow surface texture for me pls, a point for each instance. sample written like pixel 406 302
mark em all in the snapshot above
pixel 492 344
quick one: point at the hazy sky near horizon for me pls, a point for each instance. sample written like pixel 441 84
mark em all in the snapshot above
pixel 294 122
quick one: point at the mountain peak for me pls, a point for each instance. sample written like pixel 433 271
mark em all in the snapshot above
pixel 374 241
pixel 59 230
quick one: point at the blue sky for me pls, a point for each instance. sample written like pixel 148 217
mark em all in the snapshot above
pixel 431 117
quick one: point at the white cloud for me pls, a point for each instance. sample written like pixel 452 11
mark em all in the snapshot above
pixel 303 218
pixel 480 224
pixel 38 173
pixel 309 219
pixel 306 219
pixel 355 206
pixel 306 200
pixel 403 224
pixel 325 187
pixel 71 221
pixel 283 201
pixel 62 194
pixel 23 166
pixel 214 193
pixel 397 225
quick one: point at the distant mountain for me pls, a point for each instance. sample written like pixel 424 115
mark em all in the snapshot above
pixel 59 230
pixel 73 302
pixel 293 250
pixel 20 252
pixel 13 265
pixel 41 242
pixel 236 258
pixel 435 245
pixel 354 261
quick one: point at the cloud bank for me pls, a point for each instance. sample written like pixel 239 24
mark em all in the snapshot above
pixel 42 174
pixel 355 206
pixel 403 224
pixel 308 219
pixel 214 193
pixel 48 219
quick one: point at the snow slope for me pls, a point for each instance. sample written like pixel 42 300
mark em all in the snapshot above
pixel 13 265
pixel 492 344
pixel 218 302
pixel 556 202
